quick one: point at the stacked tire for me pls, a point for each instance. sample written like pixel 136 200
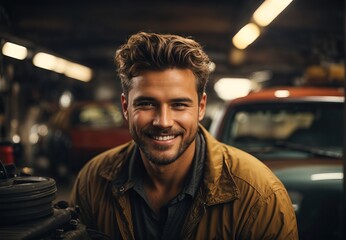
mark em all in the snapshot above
pixel 25 199
pixel 27 211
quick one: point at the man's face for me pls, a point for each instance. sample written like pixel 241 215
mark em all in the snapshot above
pixel 163 112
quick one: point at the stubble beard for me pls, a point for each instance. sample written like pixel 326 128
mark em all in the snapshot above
pixel 155 158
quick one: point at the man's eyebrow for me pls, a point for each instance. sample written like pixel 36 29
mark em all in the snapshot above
pixel 151 99
pixel 183 99
pixel 141 99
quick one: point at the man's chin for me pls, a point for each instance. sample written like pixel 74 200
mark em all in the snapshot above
pixel 160 158
pixel 162 162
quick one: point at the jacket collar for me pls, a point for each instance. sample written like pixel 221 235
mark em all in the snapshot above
pixel 218 183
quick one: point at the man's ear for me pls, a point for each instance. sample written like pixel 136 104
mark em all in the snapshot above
pixel 202 107
pixel 124 106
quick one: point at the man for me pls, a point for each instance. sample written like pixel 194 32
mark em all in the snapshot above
pixel 175 181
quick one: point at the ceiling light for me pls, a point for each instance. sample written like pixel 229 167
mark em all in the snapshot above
pixel 269 10
pixel 44 60
pixel 247 35
pixel 231 88
pixel 14 51
pixel 60 65
pixel 78 72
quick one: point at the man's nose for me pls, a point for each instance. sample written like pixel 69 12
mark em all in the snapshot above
pixel 163 117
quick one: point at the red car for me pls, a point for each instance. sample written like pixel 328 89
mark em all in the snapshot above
pixel 281 125
pixel 298 133
pixel 78 133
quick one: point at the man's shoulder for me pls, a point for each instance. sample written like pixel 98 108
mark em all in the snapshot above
pixel 247 171
pixel 250 171
pixel 106 163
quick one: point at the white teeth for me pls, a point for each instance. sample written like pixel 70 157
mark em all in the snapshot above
pixel 163 138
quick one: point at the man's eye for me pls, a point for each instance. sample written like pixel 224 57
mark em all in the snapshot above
pixel 179 106
pixel 145 105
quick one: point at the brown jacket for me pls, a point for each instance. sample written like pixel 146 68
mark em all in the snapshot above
pixel 240 198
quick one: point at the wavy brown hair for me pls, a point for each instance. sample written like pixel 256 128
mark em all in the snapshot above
pixel 156 52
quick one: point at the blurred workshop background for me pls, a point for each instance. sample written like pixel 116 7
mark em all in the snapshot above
pixel 59 91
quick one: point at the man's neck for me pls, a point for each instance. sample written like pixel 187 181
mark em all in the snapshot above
pixel 164 182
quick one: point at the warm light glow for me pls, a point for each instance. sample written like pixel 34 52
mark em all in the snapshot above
pixel 14 51
pixel 269 10
pixel 16 138
pixel 231 88
pixel 33 138
pixel 237 56
pixel 247 35
pixel 66 99
pixel 28 170
pixel 281 93
pixel 327 176
pixel 79 72
pixel 44 60
pixel 60 65
pixel 42 129
pixel 212 66
pixel 261 76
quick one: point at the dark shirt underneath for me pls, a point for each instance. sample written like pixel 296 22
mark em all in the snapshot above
pixel 170 220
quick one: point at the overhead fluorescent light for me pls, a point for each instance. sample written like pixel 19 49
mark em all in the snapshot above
pixel 45 61
pixel 77 71
pixel 269 10
pixel 231 88
pixel 247 35
pixel 14 51
pixel 60 65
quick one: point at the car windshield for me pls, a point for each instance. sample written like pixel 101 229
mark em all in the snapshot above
pixel 97 116
pixel 288 129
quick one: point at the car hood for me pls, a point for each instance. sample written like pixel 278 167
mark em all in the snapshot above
pixel 312 175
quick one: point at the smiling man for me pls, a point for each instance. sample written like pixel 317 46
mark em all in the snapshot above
pixel 174 180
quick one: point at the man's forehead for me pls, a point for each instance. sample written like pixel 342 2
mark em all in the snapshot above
pixel 172 79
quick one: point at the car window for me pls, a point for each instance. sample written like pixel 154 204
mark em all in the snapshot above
pixel 317 124
pixel 98 116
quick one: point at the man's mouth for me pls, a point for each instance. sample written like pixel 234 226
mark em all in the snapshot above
pixel 164 138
